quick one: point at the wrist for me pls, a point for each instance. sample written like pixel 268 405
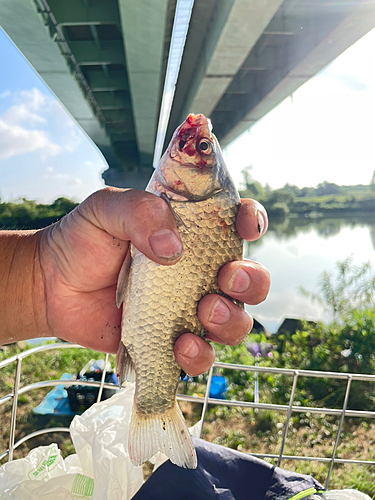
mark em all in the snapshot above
pixel 22 290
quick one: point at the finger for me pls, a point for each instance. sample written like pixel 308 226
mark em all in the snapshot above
pixel 193 354
pixel 226 322
pixel 252 220
pixel 139 217
pixel 246 281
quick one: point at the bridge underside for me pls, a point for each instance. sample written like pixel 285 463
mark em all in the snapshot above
pixel 106 61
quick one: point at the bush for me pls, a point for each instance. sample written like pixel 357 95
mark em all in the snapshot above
pixel 27 214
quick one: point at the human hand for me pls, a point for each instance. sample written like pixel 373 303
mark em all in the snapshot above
pixel 82 254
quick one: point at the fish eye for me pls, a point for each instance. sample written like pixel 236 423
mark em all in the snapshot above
pixel 205 146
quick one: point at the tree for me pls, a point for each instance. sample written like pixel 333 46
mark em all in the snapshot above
pixel 253 188
pixel 325 188
pixel 63 205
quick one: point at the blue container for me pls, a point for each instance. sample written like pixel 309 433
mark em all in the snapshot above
pixel 218 387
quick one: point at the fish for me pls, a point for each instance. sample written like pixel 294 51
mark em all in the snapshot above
pixel 160 302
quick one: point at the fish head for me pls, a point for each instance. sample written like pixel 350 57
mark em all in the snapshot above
pixel 192 166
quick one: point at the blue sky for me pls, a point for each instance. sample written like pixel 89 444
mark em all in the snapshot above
pixel 43 153
pixel 324 132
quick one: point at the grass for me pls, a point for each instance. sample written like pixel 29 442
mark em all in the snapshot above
pixel 246 430
pixel 37 367
pixel 309 435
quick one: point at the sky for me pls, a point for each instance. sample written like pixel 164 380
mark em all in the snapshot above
pixel 44 154
pixel 324 132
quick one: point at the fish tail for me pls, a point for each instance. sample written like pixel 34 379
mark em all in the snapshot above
pixel 167 432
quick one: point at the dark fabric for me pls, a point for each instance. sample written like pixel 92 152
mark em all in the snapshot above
pixel 224 474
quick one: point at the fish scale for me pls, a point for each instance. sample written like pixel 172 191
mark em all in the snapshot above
pixel 160 304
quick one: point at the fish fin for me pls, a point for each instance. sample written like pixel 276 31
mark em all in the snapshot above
pixel 124 365
pixel 178 219
pixel 123 280
pixel 167 433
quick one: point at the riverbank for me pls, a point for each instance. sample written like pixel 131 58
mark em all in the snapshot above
pixel 327 199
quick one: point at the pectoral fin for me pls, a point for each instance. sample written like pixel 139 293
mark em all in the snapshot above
pixel 124 365
pixel 123 279
pixel 178 219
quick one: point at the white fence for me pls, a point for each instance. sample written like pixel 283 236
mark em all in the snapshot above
pixel 289 409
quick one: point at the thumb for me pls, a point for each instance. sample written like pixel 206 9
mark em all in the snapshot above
pixel 137 216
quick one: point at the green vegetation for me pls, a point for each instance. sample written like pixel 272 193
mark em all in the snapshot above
pixel 27 214
pixel 41 366
pixel 346 345
pixel 327 198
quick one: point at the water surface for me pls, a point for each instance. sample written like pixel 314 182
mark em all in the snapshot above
pixel 296 252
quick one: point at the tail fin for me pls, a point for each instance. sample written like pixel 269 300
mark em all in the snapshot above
pixel 167 433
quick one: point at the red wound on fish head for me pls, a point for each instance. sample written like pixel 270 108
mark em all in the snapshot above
pixel 190 166
pixel 193 139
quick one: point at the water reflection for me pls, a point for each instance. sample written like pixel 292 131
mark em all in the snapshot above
pixel 297 251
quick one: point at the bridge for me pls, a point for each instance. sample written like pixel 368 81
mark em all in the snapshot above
pixel 107 61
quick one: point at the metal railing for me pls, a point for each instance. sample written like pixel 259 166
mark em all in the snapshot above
pixel 205 401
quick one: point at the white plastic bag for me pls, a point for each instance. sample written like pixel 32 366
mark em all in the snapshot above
pixel 100 437
pixel 345 495
pixel 44 474
pixel 100 469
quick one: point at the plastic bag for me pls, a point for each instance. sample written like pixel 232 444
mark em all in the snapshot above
pixel 340 495
pixel 345 495
pixel 100 437
pixel 44 473
pixel 101 468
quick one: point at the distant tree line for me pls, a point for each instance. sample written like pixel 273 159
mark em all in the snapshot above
pixel 325 199
pixel 28 214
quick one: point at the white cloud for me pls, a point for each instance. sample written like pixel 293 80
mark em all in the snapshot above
pixel 16 140
pixel 27 126
pixel 35 98
pixel 73 140
pixel 27 108
pixel 21 113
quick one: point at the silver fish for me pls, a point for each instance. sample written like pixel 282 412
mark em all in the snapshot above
pixel 160 302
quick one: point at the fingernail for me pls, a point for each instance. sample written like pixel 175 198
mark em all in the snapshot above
pixel 220 313
pixel 191 351
pixel 165 244
pixel 261 224
pixel 239 282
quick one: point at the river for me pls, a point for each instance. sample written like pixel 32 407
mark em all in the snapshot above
pixel 296 252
